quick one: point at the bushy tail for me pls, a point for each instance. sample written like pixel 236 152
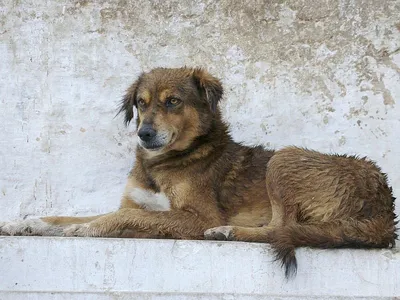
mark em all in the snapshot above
pixel 374 233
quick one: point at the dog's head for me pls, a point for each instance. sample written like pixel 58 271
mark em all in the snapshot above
pixel 174 107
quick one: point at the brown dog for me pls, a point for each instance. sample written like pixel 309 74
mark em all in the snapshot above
pixel 191 181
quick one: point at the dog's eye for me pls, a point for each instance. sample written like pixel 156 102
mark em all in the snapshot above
pixel 173 102
pixel 141 102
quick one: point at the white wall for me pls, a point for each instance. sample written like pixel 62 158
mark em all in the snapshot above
pixel 320 74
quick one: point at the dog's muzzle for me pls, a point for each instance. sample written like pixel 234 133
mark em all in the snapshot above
pixel 147 133
pixel 149 139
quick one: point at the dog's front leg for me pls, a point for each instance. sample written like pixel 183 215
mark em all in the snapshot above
pixel 182 224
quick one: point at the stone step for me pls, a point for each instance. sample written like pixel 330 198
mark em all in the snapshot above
pixel 96 268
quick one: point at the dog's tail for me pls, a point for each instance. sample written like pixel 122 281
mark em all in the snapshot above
pixel 379 232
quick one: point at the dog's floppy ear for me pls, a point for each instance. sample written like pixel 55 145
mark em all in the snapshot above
pixel 128 102
pixel 209 87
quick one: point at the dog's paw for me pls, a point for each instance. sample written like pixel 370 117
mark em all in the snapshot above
pixel 221 233
pixel 2 224
pixel 15 228
pixel 30 227
pixel 81 230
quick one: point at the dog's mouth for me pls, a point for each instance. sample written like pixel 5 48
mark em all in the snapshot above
pixel 160 142
pixel 152 147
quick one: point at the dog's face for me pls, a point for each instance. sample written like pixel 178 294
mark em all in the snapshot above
pixel 174 107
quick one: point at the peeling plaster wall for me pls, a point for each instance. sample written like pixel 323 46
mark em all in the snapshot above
pixel 321 74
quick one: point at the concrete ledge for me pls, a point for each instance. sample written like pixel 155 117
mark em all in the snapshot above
pixel 61 268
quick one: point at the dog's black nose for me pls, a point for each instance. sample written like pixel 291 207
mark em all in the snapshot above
pixel 146 133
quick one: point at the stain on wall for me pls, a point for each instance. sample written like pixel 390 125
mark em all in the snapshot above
pixel 319 74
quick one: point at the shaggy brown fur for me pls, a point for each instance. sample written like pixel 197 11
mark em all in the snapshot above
pixel 219 189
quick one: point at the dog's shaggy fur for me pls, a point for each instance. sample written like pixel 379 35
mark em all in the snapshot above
pixel 192 181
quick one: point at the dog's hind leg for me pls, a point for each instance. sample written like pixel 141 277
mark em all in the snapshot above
pixel 46 226
pixel 280 217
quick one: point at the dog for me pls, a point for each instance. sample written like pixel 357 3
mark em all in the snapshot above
pixel 192 181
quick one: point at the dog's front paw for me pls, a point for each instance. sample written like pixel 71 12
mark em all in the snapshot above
pixel 2 224
pixel 82 230
pixel 15 228
pixel 221 233
pixel 30 227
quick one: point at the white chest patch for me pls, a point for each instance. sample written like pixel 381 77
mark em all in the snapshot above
pixel 149 200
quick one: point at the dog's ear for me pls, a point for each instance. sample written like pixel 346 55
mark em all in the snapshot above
pixel 128 102
pixel 209 86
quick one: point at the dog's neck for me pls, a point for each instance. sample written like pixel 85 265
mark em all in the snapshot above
pixel 215 140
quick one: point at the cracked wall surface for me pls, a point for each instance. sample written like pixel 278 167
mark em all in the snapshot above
pixel 319 74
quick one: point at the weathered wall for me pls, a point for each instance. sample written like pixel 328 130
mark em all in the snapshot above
pixel 322 74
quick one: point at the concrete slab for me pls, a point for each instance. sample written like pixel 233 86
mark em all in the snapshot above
pixel 61 268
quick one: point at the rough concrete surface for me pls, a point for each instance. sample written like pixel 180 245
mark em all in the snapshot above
pixel 167 269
